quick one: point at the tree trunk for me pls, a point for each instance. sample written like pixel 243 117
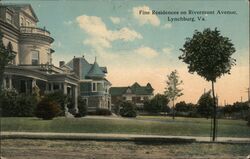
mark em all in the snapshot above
pixel 214 113
pixel 173 110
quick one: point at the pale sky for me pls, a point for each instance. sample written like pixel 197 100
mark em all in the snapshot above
pixel 145 48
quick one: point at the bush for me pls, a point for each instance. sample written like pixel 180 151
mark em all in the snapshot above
pixel 128 109
pixel 14 105
pixel 25 106
pixel 101 111
pixel 248 119
pixel 47 109
pixel 82 107
pixel 61 99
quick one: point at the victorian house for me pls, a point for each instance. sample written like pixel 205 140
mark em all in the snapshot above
pixel 93 86
pixel 135 93
pixel 32 65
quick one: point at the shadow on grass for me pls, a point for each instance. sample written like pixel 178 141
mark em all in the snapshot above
pixel 160 141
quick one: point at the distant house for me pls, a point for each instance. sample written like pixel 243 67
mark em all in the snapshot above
pixel 135 93
pixel 93 86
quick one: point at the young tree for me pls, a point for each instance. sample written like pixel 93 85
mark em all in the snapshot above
pixel 208 54
pixel 172 91
pixel 6 55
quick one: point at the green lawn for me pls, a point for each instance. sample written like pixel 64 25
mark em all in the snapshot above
pixel 140 125
pixel 61 149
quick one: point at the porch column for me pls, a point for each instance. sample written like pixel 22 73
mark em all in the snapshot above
pixel 26 87
pixel 33 83
pixel 4 83
pixel 47 87
pixel 10 82
pixel 65 88
pixel 76 97
pixel 52 87
pixel 60 86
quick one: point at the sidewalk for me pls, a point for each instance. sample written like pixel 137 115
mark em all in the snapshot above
pixel 117 137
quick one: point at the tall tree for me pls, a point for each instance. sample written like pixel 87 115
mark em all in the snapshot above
pixel 172 91
pixel 6 55
pixel 208 53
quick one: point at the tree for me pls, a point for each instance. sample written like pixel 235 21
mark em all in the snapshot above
pixel 208 54
pixel 205 105
pixel 157 104
pixel 6 55
pixel 172 91
pixel 184 107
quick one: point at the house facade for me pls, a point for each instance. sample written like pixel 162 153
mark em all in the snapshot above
pixel 135 93
pixel 93 86
pixel 33 67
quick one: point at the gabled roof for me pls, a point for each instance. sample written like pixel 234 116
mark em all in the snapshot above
pixel 117 91
pixel 19 7
pixel 135 88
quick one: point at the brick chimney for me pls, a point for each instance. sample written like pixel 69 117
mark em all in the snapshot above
pixel 61 63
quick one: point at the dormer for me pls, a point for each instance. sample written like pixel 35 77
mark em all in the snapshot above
pixel 27 16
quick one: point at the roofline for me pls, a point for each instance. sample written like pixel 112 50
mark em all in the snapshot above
pixel 20 5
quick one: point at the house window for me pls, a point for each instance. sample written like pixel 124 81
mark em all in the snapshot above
pixel 48 58
pixel 22 21
pixel 94 87
pixel 35 57
pixel 8 17
pixel 27 23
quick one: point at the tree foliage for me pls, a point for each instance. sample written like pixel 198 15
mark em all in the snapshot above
pixel 184 107
pixel 6 55
pixel 157 104
pixel 205 105
pixel 208 54
pixel 128 109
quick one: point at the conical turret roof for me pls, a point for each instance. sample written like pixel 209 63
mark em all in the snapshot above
pixel 96 71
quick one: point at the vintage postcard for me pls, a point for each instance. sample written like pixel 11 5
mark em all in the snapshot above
pixel 124 79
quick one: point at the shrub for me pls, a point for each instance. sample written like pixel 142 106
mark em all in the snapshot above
pixel 101 111
pixel 248 118
pixel 61 99
pixel 47 109
pixel 128 109
pixel 82 107
pixel 25 106
pixel 17 105
pixel 8 103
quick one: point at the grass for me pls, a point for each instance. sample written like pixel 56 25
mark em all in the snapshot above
pixel 140 125
pixel 40 149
